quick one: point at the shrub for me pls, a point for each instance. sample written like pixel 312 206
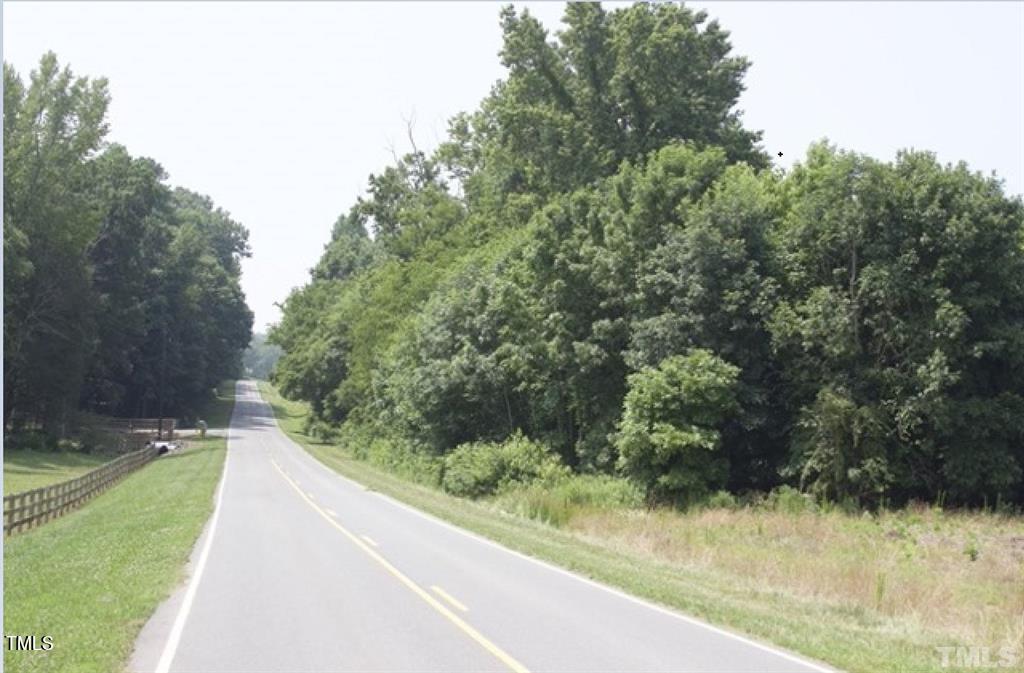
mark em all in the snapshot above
pixel 321 430
pixel 483 468
pixel 789 500
pixel 404 459
pixel 31 440
pixel 668 439
pixel 721 500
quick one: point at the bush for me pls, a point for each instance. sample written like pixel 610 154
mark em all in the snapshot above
pixel 405 460
pixel 477 469
pixel 373 444
pixel 321 430
pixel 669 436
pixel 789 500
pixel 31 440
pixel 721 500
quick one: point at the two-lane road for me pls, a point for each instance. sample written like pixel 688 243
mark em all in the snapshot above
pixel 300 569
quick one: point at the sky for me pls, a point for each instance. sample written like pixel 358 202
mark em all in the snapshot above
pixel 281 111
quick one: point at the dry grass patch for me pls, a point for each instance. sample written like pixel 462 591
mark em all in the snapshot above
pixel 958 574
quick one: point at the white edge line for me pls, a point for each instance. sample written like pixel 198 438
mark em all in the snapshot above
pixel 174 638
pixel 586 580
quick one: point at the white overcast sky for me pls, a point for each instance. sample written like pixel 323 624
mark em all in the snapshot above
pixel 280 112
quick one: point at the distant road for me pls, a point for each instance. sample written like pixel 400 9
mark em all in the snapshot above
pixel 301 570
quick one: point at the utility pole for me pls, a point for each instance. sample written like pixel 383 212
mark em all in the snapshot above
pixel 163 375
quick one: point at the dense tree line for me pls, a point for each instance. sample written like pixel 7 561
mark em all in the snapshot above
pixel 121 294
pixel 600 259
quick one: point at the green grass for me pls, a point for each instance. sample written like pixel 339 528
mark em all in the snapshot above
pixel 92 578
pixel 747 570
pixel 25 470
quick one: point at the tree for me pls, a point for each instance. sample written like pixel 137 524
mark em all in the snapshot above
pixel 707 284
pixel 125 258
pixel 901 316
pixel 613 86
pixel 121 296
pixel 51 128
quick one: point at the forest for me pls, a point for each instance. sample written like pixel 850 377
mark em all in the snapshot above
pixel 599 272
pixel 121 293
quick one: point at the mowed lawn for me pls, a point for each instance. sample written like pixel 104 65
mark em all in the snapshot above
pixel 25 470
pixel 91 579
pixel 865 593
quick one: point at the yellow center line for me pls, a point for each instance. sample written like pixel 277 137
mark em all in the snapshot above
pixel 481 640
pixel 448 597
pixel 369 540
pixel 331 512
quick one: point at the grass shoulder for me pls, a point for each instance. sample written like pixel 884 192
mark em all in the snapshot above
pixel 92 578
pixel 862 593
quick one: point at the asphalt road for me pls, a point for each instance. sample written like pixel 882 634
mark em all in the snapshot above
pixel 300 569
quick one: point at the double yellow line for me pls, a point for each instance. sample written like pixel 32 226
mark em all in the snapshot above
pixel 498 653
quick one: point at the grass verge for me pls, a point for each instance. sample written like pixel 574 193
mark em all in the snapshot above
pixel 748 571
pixel 92 578
pixel 25 470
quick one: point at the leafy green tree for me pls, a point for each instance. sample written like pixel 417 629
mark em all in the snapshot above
pixel 350 249
pixel 902 317
pixel 198 321
pixel 409 204
pixel 125 259
pixel 51 128
pixel 120 295
pixel 316 347
pixel 584 259
pixel 613 86
pixel 460 371
pixel 707 284
pixel 669 437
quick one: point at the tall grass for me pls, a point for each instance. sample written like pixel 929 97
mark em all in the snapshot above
pixel 909 567
pixel 558 503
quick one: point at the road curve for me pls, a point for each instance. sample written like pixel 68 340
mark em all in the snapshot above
pixel 300 569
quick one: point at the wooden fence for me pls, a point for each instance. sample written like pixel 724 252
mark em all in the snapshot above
pixel 31 508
